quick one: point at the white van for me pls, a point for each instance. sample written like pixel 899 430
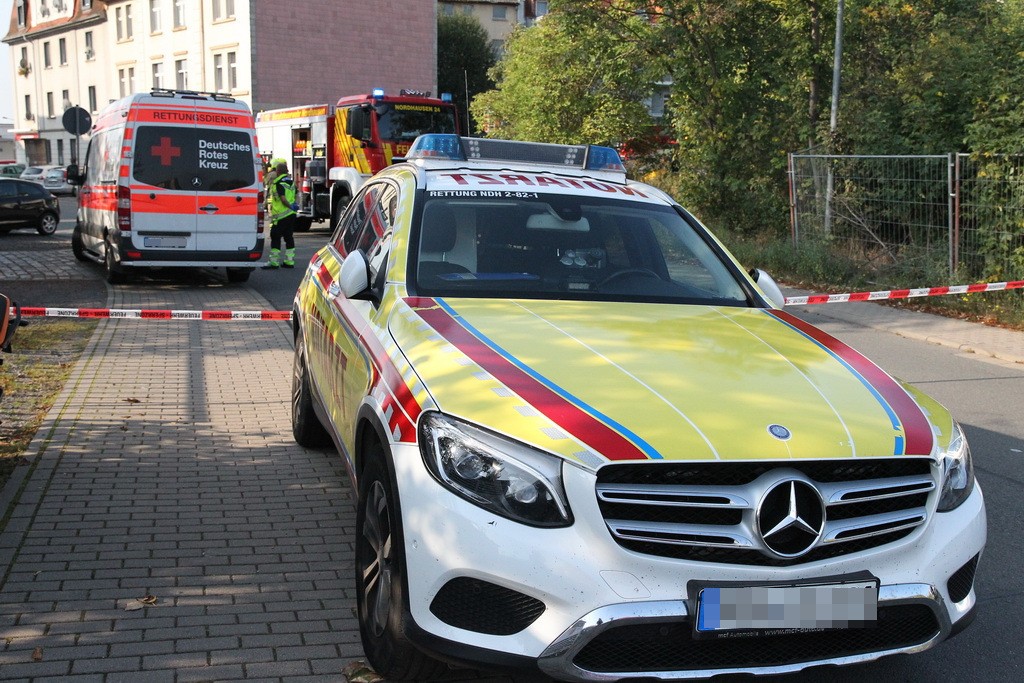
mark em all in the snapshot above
pixel 171 178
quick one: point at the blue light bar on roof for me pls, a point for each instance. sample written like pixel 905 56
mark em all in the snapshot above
pixel 446 97
pixel 378 93
pixel 455 148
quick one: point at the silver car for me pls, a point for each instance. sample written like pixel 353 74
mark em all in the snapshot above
pixel 56 181
pixel 36 173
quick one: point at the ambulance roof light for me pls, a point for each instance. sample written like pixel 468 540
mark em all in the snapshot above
pixel 455 148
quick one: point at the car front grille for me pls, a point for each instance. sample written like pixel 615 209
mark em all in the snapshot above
pixel 707 512
pixel 671 646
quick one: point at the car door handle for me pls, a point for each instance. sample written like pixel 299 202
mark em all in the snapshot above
pixel 209 207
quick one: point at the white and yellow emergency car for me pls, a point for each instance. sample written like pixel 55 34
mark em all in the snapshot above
pixel 586 441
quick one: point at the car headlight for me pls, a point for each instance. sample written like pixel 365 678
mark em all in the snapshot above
pixel 500 475
pixel 957 472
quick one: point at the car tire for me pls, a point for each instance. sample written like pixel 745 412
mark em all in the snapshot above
pixel 306 426
pixel 47 223
pixel 238 275
pixel 77 246
pixel 112 270
pixel 380 579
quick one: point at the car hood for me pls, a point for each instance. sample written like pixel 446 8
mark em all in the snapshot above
pixel 599 381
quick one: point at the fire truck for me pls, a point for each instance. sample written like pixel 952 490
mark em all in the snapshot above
pixel 332 149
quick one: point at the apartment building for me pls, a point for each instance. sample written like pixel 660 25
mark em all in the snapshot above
pixel 87 53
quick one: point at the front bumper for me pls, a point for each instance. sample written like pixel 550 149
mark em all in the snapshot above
pixel 597 596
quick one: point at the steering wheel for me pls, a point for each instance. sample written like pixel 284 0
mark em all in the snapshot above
pixel 646 272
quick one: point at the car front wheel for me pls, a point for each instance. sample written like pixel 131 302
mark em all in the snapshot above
pixel 47 223
pixel 306 427
pixel 380 570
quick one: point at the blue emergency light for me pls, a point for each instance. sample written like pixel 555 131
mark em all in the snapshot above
pixel 455 148
pixel 446 97
pixel 377 94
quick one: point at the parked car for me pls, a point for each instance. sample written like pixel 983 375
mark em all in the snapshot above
pixel 56 181
pixel 36 173
pixel 585 439
pixel 25 204
pixel 11 170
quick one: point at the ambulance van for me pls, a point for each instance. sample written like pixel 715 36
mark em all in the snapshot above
pixel 171 179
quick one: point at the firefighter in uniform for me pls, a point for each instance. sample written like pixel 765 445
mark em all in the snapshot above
pixel 281 194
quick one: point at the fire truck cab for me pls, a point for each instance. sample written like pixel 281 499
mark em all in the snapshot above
pixel 333 149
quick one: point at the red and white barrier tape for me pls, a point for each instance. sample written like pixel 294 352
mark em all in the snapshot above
pixel 153 314
pixel 159 314
pixel 902 293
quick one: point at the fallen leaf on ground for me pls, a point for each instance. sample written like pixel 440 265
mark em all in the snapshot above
pixel 37 654
pixel 360 672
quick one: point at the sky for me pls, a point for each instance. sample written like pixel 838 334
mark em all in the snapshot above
pixel 6 87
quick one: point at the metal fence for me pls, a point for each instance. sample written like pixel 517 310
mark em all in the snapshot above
pixel 956 213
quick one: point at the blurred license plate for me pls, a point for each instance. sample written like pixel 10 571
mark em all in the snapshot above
pixel 796 607
pixel 165 242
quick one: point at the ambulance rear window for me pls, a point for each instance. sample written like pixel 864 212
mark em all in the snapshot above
pixel 194 159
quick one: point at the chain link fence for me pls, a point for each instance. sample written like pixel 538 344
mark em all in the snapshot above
pixel 958 214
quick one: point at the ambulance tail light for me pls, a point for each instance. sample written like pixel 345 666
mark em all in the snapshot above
pixel 260 199
pixel 124 208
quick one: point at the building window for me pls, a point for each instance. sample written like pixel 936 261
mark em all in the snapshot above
pixel 28 107
pixel 154 16
pixel 127 80
pixel 60 152
pixel 498 13
pixel 65 100
pixel 86 4
pixel 447 9
pixel 123 19
pixel 46 55
pixel 62 51
pixel 49 105
pixel 158 75
pixel 181 74
pixel 225 72
pixel 223 9
pixel 179 13
pixel 89 54
pixel 92 98
pixel 22 13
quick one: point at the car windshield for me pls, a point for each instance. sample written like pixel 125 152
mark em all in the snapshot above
pixel 534 245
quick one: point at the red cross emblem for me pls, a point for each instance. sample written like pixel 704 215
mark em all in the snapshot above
pixel 165 151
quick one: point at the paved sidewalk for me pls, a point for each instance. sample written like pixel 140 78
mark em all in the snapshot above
pixel 167 468
pixel 1007 345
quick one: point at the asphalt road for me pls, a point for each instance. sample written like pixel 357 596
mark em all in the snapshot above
pixel 984 394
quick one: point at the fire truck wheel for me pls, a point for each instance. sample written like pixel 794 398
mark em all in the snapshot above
pixel 302 223
pixel 339 209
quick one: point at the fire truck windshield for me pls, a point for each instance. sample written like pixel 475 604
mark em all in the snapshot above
pixel 402 122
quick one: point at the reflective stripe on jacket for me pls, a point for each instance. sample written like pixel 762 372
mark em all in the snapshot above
pixel 281 208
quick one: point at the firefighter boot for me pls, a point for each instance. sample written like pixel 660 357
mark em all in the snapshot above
pixel 289 258
pixel 274 262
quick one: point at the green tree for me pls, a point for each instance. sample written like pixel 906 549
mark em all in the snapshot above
pixel 464 58
pixel 568 82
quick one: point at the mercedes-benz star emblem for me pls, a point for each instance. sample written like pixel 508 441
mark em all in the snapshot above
pixel 196 181
pixel 791 518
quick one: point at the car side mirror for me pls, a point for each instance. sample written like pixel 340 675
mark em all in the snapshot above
pixel 769 287
pixel 73 176
pixel 354 278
